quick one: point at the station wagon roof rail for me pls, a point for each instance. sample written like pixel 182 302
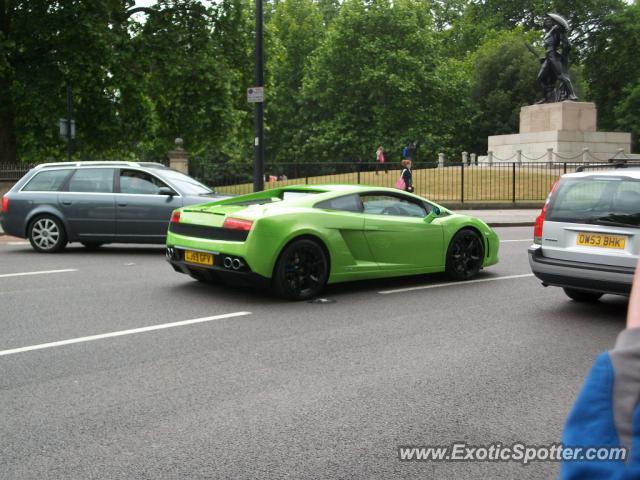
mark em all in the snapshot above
pixel 100 163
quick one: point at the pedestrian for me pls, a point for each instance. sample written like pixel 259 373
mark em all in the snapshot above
pixel 607 410
pixel 380 160
pixel 411 148
pixel 405 151
pixel 405 182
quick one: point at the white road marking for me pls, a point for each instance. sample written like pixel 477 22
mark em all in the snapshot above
pixel 518 240
pixel 121 333
pixel 449 284
pixel 43 272
pixel 17 243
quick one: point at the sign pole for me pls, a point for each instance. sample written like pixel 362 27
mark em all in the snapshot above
pixel 258 143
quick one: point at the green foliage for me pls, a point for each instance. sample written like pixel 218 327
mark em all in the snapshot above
pixel 341 77
pixel 375 80
pixel 611 68
pixel 504 79
pixel 294 32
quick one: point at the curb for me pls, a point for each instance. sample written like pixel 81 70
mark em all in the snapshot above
pixel 492 206
pixel 510 224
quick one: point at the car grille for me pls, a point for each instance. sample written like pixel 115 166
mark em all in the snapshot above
pixel 209 233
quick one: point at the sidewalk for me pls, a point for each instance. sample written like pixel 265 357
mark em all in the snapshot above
pixel 506 217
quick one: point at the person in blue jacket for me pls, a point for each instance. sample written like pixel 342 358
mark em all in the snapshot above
pixel 607 410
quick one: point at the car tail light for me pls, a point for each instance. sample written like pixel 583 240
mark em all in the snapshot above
pixel 237 224
pixel 537 229
pixel 175 216
pixel 5 204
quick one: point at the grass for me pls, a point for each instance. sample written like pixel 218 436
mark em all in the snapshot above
pixel 481 184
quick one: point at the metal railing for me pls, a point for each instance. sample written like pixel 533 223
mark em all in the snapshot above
pixel 12 172
pixel 454 183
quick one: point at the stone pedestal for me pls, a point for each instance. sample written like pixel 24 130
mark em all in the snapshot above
pixel 179 158
pixel 568 128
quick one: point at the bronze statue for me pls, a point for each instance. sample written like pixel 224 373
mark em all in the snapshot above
pixel 553 76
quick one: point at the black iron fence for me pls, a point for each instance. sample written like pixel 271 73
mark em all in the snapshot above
pixel 12 172
pixel 456 182
pixel 452 182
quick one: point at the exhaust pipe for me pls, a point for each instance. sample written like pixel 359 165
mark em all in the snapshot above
pixel 228 262
pixel 237 264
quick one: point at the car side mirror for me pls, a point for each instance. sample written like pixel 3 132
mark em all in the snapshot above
pixel 433 214
pixel 166 191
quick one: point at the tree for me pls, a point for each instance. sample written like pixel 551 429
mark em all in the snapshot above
pixel 374 80
pixel 504 80
pixel 294 31
pixel 611 68
pixel 45 46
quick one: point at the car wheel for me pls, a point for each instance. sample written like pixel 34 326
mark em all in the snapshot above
pixel 582 295
pixel 47 234
pixel 464 255
pixel 92 245
pixel 302 270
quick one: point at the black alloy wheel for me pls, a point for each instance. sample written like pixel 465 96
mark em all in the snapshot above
pixel 301 271
pixel 465 255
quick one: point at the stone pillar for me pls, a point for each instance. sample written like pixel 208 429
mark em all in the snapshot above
pixel 585 155
pixel 465 158
pixel 179 158
pixel 550 155
pixel 474 159
pixel 441 160
pixel 519 156
pixel 490 157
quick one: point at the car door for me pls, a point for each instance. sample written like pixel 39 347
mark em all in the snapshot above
pixel 88 204
pixel 143 212
pixel 399 234
pixel 343 215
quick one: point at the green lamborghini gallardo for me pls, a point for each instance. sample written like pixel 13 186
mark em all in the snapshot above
pixel 297 239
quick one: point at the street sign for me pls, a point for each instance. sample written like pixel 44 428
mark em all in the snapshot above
pixel 64 123
pixel 255 94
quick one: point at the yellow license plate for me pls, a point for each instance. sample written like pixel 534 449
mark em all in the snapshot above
pixel 198 257
pixel 600 240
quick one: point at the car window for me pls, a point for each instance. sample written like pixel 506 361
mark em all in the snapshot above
pixel 92 180
pixel 392 205
pixel 346 203
pixel 590 200
pixel 138 182
pixel 50 181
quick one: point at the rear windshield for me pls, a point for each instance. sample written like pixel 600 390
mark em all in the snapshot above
pixel 596 200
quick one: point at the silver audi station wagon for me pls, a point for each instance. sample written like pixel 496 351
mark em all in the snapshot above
pixel 97 202
pixel 587 237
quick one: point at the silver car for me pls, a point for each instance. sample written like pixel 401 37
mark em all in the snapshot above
pixel 97 202
pixel 587 238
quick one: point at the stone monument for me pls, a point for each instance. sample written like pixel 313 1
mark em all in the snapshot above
pixel 557 128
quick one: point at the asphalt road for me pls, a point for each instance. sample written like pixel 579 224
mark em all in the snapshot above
pixel 289 390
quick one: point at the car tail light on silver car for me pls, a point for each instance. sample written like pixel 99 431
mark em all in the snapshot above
pixel 537 229
pixel 5 204
pixel 237 224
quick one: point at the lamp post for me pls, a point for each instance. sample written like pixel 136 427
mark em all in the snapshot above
pixel 258 143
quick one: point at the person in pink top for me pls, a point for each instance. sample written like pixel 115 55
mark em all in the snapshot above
pixel 380 160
